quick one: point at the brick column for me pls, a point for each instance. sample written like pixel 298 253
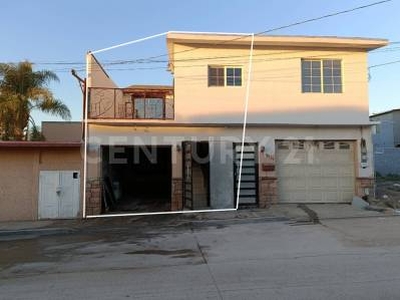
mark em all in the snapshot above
pixel 176 194
pixel 363 183
pixel 268 191
pixel 93 197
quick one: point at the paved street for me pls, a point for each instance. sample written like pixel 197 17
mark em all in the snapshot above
pixel 350 258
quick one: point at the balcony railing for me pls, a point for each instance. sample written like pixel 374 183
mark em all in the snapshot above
pixel 139 103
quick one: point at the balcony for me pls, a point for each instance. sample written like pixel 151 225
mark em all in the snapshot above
pixel 131 103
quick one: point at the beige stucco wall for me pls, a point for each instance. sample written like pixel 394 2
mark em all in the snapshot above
pixel 275 88
pixel 19 178
pixel 97 76
pixel 62 131
pixel 17 184
pixel 275 94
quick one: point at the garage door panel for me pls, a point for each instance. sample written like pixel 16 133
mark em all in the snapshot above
pixel 289 172
pixel 347 195
pixel 294 157
pixel 293 183
pixel 346 171
pixel 315 195
pixel 313 171
pixel 346 183
pixel 296 171
pixel 330 171
pixel 329 183
pixel 323 174
pixel 332 196
pixel 298 196
pixel 314 182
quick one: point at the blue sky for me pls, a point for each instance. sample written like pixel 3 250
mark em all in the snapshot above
pixel 46 32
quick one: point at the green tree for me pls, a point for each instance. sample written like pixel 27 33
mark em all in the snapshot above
pixel 23 90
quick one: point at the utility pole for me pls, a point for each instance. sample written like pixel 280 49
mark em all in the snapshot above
pixel 82 84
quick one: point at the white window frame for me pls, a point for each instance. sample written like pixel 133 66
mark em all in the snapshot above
pixel 225 67
pixel 322 88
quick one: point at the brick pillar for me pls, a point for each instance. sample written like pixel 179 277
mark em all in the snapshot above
pixel 364 184
pixel 268 191
pixel 176 195
pixel 93 197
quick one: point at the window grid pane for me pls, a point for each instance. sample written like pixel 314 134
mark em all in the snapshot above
pixel 216 76
pixel 332 73
pixel 311 76
pixel 139 108
pixel 149 108
pixel 233 76
pixel 154 108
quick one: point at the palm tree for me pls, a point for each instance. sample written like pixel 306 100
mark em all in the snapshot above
pixel 23 90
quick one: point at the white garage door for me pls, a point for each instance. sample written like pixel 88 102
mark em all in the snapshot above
pixel 315 171
pixel 58 194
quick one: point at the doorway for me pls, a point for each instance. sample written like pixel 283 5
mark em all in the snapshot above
pixel 196 175
pixel 58 194
pixel 136 178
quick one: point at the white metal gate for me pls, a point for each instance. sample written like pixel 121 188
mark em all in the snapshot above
pixel 315 171
pixel 58 194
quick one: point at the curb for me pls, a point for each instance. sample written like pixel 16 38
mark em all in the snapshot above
pixel 37 231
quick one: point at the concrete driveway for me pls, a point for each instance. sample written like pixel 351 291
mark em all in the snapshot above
pixel 210 257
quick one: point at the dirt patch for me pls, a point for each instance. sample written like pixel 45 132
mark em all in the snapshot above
pixel 26 251
pixel 387 193
pixel 312 215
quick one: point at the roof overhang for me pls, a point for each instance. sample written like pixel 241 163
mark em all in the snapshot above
pixel 38 144
pixel 385 112
pixel 163 89
pixel 165 124
pixel 273 41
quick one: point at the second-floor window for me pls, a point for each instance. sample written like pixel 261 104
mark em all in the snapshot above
pixel 148 108
pixel 321 76
pixel 224 76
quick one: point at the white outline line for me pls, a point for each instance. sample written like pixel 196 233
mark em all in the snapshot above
pixel 161 213
pixel 165 33
pixel 246 106
pixel 243 134
pixel 129 43
pixel 85 137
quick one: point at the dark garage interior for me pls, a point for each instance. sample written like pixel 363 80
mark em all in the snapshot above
pixel 136 178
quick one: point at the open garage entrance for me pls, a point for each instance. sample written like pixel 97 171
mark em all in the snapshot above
pixel 136 178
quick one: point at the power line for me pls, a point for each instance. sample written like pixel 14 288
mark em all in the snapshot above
pixel 285 26
pixel 238 60
pixel 145 60
pixel 384 64
pixel 230 57
pixel 325 16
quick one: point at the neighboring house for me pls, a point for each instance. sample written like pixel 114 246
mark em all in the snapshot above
pixel 41 180
pixel 308 136
pixel 386 139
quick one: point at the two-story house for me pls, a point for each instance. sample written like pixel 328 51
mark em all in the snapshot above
pixel 386 140
pixel 307 138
